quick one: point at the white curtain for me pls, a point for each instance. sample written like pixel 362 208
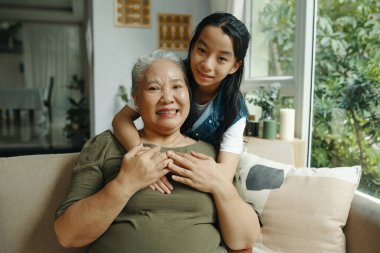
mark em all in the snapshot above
pixel 235 7
pixel 52 50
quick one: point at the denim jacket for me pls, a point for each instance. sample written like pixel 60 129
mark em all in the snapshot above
pixel 207 126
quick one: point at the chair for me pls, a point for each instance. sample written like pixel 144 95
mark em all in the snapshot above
pixel 47 101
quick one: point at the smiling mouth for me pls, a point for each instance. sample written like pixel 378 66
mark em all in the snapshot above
pixel 168 112
pixel 204 75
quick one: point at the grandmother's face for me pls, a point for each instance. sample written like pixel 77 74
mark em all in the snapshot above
pixel 162 98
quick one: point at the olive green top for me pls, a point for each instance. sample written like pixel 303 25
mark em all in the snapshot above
pixel 183 221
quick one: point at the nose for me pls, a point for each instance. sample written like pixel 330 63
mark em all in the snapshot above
pixel 167 96
pixel 207 64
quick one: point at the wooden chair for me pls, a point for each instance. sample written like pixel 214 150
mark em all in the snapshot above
pixel 47 101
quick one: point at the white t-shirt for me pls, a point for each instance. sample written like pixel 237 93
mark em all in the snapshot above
pixel 232 140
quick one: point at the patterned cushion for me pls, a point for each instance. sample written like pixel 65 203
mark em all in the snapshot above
pixel 303 209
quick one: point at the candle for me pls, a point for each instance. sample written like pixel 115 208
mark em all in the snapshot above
pixel 270 129
pixel 287 117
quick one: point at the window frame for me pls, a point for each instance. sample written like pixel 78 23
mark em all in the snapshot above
pixel 301 84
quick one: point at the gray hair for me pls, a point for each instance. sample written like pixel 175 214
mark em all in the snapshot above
pixel 145 61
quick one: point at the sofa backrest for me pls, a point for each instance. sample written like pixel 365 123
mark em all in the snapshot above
pixel 31 188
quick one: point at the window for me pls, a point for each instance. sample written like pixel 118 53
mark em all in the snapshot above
pixel 346 112
pixel 334 46
pixel 277 28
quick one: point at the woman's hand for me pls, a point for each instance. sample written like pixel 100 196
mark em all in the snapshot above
pixel 142 167
pixel 196 170
pixel 162 185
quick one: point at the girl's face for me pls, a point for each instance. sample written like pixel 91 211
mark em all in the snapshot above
pixel 162 98
pixel 212 58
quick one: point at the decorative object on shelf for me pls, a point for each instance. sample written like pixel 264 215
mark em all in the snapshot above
pixel 132 13
pixel 252 128
pixel 77 127
pixel 174 31
pixel 287 118
pixel 267 97
pixel 269 129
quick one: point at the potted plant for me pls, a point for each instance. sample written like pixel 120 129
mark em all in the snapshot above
pixel 267 98
pixel 122 94
pixel 77 126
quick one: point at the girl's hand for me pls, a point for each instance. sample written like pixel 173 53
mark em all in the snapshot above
pixel 197 170
pixel 162 185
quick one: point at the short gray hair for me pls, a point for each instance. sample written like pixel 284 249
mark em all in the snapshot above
pixel 145 61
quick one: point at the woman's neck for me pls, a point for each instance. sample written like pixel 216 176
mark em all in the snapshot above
pixel 175 139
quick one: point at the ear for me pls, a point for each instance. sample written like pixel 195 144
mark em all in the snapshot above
pixel 136 105
pixel 235 67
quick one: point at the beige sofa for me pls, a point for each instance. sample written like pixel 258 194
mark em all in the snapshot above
pixel 31 188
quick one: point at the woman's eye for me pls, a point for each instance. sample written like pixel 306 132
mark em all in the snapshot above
pixel 177 86
pixel 153 88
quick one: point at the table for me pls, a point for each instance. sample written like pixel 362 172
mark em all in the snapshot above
pixel 21 99
pixel 18 99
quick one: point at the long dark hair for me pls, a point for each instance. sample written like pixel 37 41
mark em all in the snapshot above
pixel 240 37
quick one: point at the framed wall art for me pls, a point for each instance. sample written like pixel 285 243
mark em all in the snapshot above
pixel 132 13
pixel 174 31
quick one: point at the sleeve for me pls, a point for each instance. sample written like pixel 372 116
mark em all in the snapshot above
pixel 232 140
pixel 87 175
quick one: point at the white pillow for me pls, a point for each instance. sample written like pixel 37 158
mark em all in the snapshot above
pixel 303 209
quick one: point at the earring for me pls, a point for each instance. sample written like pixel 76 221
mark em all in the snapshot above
pixel 137 108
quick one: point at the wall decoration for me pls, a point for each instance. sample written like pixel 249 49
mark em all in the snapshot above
pixel 174 31
pixel 132 13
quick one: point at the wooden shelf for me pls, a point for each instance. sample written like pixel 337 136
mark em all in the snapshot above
pixel 289 152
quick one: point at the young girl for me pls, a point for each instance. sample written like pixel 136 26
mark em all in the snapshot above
pixel 214 65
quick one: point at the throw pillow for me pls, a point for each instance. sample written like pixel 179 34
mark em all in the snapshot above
pixel 303 209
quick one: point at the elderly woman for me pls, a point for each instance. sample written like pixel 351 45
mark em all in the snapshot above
pixel 110 206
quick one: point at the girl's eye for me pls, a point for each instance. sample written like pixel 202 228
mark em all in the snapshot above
pixel 201 50
pixel 222 59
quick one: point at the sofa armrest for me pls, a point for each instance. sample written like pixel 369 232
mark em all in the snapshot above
pixel 363 225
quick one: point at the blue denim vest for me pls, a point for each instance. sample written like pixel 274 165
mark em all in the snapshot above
pixel 207 126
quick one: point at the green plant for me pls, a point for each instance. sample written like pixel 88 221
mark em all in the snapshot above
pixel 122 93
pixel 347 78
pixel 267 97
pixel 9 30
pixel 77 113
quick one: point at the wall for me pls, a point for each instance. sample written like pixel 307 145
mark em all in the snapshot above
pixel 116 48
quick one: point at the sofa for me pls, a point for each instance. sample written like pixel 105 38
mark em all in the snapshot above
pixel 32 187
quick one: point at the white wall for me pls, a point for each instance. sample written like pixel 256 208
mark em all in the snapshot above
pixel 116 48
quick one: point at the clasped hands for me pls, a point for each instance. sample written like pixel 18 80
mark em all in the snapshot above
pixel 148 167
